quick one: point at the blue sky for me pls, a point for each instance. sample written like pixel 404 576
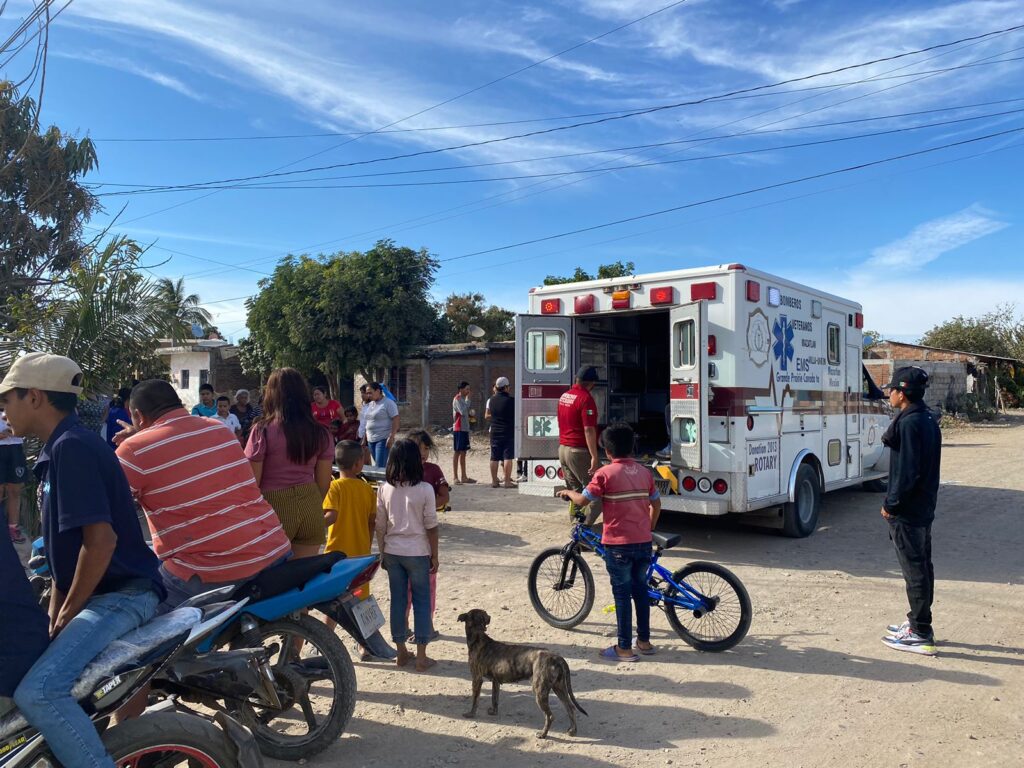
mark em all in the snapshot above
pixel 916 241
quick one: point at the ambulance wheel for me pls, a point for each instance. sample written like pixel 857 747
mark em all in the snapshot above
pixel 800 517
pixel 876 486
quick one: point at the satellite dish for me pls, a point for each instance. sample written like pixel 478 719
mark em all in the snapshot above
pixel 476 331
pixel 197 330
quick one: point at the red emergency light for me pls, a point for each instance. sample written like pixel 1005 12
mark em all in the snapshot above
pixel 621 299
pixel 550 306
pixel 712 345
pixel 665 294
pixel 703 291
pixel 858 320
pixel 583 304
pixel 753 290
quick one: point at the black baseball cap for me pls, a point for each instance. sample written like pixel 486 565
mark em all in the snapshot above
pixel 587 373
pixel 909 379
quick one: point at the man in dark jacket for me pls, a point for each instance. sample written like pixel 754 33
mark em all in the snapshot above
pixel 915 444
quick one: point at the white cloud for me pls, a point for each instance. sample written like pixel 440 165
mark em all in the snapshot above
pixel 928 241
pixel 304 67
pixel 905 308
pixel 133 68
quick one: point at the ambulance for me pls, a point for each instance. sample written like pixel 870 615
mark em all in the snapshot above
pixel 747 391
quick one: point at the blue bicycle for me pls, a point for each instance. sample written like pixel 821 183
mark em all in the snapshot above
pixel 706 604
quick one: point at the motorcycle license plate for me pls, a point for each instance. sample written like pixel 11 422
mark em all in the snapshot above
pixel 368 616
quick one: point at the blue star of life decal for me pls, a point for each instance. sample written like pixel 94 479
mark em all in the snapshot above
pixel 783 346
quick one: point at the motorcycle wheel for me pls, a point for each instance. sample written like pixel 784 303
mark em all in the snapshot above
pixel 169 739
pixel 316 683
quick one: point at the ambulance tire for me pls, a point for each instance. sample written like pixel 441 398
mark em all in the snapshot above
pixel 800 517
pixel 876 486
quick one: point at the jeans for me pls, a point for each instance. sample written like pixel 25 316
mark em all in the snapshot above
pixel 405 572
pixel 180 590
pixel 627 566
pixel 44 694
pixel 379 452
pixel 913 545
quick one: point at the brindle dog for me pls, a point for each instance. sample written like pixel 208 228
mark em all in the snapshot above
pixel 507 663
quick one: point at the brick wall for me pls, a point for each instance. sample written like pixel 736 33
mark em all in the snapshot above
pixel 431 383
pixel 226 373
pixel 945 379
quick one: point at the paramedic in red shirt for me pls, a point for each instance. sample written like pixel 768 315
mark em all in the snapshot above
pixel 577 432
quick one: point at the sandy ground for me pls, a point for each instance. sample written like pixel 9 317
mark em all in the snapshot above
pixel 812 685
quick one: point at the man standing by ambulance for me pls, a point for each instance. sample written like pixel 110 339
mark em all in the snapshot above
pixel 577 434
pixel 915 444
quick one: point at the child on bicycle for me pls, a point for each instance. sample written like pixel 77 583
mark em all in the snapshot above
pixel 631 505
pixel 350 509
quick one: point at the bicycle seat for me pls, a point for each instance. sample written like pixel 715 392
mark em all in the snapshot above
pixel 662 541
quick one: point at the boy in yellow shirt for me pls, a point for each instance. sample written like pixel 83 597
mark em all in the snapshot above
pixel 350 509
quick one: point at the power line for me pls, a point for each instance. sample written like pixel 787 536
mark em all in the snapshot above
pixel 720 198
pixel 918 76
pixel 632 166
pixel 568 183
pixel 568 155
pixel 598 121
pixel 439 104
pixel 500 123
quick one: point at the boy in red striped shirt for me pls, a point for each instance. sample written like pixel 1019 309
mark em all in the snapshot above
pixel 630 508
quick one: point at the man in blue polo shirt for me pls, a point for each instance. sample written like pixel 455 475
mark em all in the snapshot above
pixel 105 579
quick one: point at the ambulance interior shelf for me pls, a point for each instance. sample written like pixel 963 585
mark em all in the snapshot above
pixel 631 356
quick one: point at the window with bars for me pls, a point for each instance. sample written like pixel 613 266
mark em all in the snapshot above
pixel 184 378
pixel 204 376
pixel 398 382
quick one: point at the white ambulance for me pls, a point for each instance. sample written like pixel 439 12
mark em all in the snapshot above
pixel 749 386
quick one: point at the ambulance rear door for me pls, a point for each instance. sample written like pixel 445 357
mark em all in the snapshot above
pixel 543 374
pixel 688 390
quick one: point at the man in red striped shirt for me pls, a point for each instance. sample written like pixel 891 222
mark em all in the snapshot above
pixel 211 525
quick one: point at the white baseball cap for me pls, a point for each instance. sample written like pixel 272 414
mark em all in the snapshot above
pixel 502 382
pixel 39 370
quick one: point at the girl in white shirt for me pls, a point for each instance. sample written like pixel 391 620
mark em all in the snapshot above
pixel 407 537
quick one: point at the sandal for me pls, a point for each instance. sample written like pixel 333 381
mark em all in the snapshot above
pixel 495 485
pixel 468 481
pixel 510 484
pixel 611 654
pixel 645 651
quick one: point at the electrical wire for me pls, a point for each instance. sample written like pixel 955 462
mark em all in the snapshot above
pixel 732 195
pixel 655 145
pixel 598 121
pixel 562 174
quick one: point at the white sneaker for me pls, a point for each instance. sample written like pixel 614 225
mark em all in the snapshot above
pixel 906 640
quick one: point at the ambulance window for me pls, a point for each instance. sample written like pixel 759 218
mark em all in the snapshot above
pixel 684 344
pixel 834 344
pixel 545 351
pixel 686 430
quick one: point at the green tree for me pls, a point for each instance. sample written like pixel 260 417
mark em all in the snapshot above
pixel 105 316
pixel 348 313
pixel 460 310
pixel 615 269
pixel 181 309
pixel 43 203
pixel 254 359
pixel 871 338
pixel 1000 333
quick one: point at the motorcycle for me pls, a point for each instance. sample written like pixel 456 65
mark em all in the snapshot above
pixel 158 737
pixel 298 661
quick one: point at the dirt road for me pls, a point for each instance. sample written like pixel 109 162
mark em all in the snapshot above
pixel 812 685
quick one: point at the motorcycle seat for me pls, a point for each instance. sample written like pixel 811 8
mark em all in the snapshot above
pixel 320 588
pixel 126 650
pixel 293 574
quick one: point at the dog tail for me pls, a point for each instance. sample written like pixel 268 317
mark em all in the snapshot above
pixel 568 687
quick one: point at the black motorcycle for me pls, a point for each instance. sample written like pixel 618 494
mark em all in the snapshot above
pixel 164 738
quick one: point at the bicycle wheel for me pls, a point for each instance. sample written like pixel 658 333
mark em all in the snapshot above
pixel 317 686
pixel 720 628
pixel 562 601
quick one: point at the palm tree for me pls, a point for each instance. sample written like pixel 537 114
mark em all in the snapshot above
pixel 180 310
pixel 106 319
